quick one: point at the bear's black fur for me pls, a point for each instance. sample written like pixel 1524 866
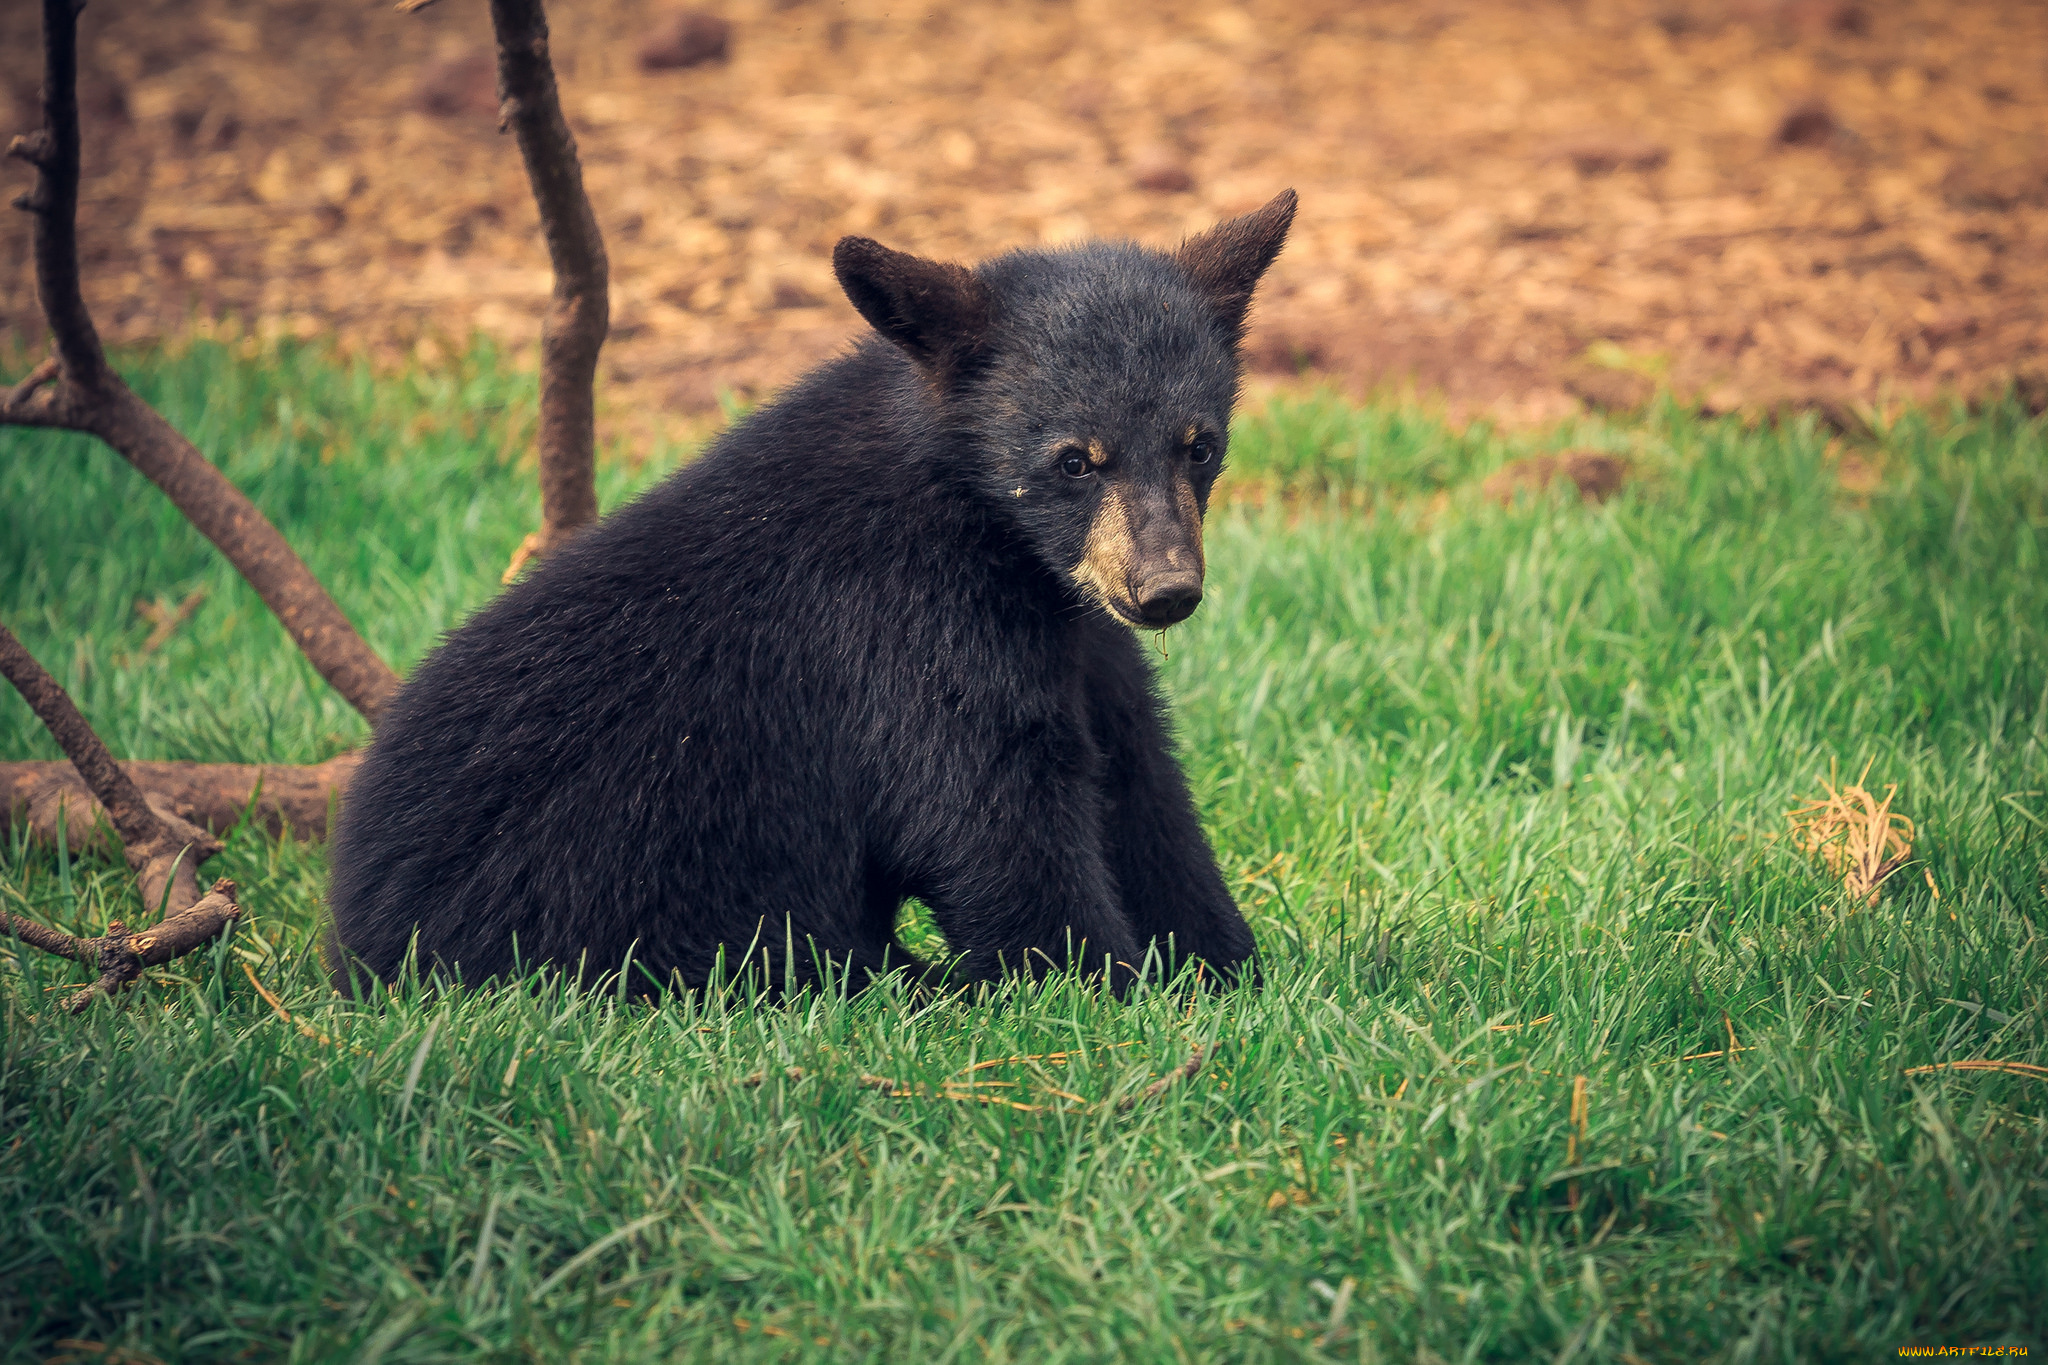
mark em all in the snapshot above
pixel 865 648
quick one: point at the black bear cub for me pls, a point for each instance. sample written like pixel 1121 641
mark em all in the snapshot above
pixel 876 643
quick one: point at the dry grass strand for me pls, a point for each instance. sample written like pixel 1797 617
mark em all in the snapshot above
pixel 1853 834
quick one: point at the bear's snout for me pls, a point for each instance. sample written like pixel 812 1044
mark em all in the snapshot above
pixel 1144 555
pixel 1167 598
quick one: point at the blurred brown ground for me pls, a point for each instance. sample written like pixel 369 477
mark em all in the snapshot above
pixel 1807 202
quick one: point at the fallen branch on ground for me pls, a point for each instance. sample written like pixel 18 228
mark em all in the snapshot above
pixel 162 850
pixel 1184 1072
pixel 165 620
pixel 121 955
pixel 212 796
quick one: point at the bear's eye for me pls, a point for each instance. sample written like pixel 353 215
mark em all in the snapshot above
pixel 1075 465
pixel 1201 450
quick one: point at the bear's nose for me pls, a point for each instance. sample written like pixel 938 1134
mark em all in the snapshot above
pixel 1167 598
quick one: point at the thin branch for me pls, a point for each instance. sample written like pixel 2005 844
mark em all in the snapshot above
pixel 121 955
pixel 580 313
pixel 53 151
pixel 48 939
pixel 164 621
pixel 1184 1072
pixel 42 374
pixel 84 394
pixel 162 850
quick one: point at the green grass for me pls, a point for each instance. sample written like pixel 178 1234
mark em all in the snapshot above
pixel 1501 789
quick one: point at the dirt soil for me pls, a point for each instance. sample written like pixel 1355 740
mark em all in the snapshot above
pixel 1523 207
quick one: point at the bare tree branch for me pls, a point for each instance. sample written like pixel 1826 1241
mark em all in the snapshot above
pixel 42 374
pixel 42 936
pixel 76 390
pixel 82 393
pixel 213 796
pixel 162 850
pixel 580 314
pixel 120 955
pixel 53 151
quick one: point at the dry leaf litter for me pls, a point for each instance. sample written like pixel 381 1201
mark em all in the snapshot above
pixel 1526 208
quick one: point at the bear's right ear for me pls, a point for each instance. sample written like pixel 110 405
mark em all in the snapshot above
pixel 935 310
pixel 1226 262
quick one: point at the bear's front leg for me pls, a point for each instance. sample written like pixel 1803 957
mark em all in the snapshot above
pixel 1012 867
pixel 1174 898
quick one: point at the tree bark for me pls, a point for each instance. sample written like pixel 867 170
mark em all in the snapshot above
pixel 580 314
pixel 121 955
pixel 212 796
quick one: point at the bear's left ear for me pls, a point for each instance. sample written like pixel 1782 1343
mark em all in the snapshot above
pixel 1227 260
pixel 935 310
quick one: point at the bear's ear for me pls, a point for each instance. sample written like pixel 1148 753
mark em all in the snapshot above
pixel 1227 260
pixel 935 310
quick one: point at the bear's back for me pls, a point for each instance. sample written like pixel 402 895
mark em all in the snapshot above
pixel 660 711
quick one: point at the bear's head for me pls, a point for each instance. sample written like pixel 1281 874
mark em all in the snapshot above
pixel 1093 385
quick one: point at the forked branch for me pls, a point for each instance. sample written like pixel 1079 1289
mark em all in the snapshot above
pixel 162 850
pixel 120 955
pixel 78 391
pixel 580 313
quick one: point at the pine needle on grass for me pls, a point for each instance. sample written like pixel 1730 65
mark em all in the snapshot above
pixel 976 1090
pixel 2027 1069
pixel 301 1025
